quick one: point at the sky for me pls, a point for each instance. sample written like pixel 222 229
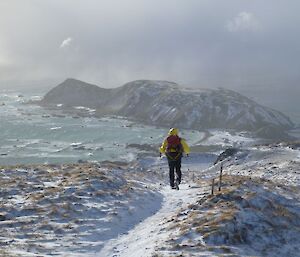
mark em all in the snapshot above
pixel 246 45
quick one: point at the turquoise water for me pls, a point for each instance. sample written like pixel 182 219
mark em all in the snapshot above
pixel 31 134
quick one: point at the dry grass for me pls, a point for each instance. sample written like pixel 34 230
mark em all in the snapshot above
pixel 58 200
pixel 218 218
pixel 35 197
pixel 53 190
pixel 5 253
pixel 282 211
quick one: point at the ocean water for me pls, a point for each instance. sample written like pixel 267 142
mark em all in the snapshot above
pixel 30 134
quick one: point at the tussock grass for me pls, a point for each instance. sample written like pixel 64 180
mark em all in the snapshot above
pixel 41 203
pixel 246 213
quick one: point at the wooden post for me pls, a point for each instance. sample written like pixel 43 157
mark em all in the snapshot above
pixel 220 178
pixel 212 186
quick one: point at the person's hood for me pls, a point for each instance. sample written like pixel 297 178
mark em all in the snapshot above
pixel 173 132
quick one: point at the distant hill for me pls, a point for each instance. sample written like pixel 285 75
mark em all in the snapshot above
pixel 167 104
pixel 75 93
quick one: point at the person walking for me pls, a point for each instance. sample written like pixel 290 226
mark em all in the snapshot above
pixel 173 147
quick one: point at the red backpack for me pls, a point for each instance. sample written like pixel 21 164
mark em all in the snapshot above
pixel 174 144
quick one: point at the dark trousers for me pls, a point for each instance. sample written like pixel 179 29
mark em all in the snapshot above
pixel 174 165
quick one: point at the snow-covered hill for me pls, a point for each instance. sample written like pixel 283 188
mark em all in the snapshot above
pixel 167 104
pixel 129 210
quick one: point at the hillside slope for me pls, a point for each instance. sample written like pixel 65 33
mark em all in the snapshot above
pixel 256 213
pixel 128 210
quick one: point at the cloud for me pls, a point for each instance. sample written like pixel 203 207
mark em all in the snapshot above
pixel 66 43
pixel 200 43
pixel 244 21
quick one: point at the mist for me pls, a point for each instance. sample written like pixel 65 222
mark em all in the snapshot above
pixel 248 46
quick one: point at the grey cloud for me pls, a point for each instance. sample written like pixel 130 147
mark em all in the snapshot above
pixel 198 43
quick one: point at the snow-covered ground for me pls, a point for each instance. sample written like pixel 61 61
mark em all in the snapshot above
pixel 278 163
pixel 69 209
pixel 118 209
pixel 256 214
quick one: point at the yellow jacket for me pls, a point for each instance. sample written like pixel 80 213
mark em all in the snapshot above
pixel 174 131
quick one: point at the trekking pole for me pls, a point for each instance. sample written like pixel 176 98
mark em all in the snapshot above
pixel 212 186
pixel 161 169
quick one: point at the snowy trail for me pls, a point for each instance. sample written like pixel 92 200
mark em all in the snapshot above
pixel 146 236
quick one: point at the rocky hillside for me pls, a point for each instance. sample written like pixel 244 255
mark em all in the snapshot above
pixel 168 104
